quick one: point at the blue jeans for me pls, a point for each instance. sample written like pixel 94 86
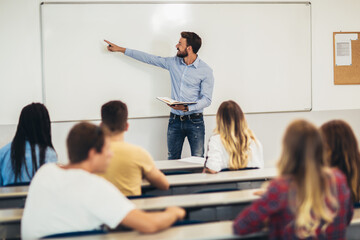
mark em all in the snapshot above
pixel 193 129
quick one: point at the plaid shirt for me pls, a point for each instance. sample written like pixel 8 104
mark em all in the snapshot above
pixel 274 205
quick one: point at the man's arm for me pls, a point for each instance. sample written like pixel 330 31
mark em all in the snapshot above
pixel 150 222
pixel 157 179
pixel 138 55
pixel 206 90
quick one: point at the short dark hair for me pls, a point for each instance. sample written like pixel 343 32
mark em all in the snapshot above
pixel 83 137
pixel 193 40
pixel 114 115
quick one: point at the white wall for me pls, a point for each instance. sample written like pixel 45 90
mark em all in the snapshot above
pixel 20 62
pixel 20 57
pixel 330 16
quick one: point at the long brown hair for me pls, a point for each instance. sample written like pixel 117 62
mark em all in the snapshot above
pixel 342 151
pixel 302 160
pixel 234 133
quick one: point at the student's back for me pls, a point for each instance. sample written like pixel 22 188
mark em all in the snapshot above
pixel 30 148
pixel 7 175
pixel 308 200
pixel 72 198
pixel 128 166
pixel 275 206
pixel 233 145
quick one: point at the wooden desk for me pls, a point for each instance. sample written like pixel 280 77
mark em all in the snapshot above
pixel 191 165
pixel 13 197
pixel 160 203
pixel 200 207
pixel 213 230
pixel 353 231
pixel 197 182
pixel 10 223
pixel 207 207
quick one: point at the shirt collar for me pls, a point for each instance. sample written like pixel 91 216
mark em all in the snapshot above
pixel 195 63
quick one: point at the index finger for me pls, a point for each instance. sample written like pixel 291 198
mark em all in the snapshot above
pixel 108 42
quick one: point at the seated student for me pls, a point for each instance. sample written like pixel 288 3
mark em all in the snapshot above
pixel 307 200
pixel 30 148
pixel 71 198
pixel 233 146
pixel 130 163
pixel 342 152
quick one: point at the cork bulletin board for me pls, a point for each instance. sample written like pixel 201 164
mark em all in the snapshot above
pixel 346 72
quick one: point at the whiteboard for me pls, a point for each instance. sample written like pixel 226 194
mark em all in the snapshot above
pixel 260 54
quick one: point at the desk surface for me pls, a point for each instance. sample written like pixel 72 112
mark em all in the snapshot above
pixel 221 177
pixel 8 192
pixel 196 200
pixel 159 203
pixel 186 163
pixel 177 180
pixel 213 230
pixel 11 215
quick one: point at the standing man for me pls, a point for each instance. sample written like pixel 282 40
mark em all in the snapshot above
pixel 192 80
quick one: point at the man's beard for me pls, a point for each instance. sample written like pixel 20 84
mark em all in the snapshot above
pixel 182 54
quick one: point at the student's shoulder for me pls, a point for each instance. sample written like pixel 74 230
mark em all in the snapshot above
pixel 46 172
pixel 215 138
pixel 204 65
pixel 129 147
pixel 5 149
pixel 5 154
pixel 339 176
pixel 48 168
pixel 255 143
pixel 132 150
pixel 280 184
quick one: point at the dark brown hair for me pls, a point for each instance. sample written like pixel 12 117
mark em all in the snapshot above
pixel 114 115
pixel 193 40
pixel 83 137
pixel 342 152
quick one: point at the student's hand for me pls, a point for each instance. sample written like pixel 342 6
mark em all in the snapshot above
pixel 262 190
pixel 179 212
pixel 259 192
pixel 114 48
pixel 207 170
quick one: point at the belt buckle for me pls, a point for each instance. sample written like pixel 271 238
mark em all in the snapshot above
pixel 182 117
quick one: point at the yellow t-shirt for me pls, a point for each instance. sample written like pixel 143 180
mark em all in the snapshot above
pixel 127 167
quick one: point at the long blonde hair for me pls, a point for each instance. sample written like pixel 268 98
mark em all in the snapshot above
pixel 234 133
pixel 315 201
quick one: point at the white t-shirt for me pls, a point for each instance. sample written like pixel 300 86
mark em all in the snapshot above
pixel 217 157
pixel 70 200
